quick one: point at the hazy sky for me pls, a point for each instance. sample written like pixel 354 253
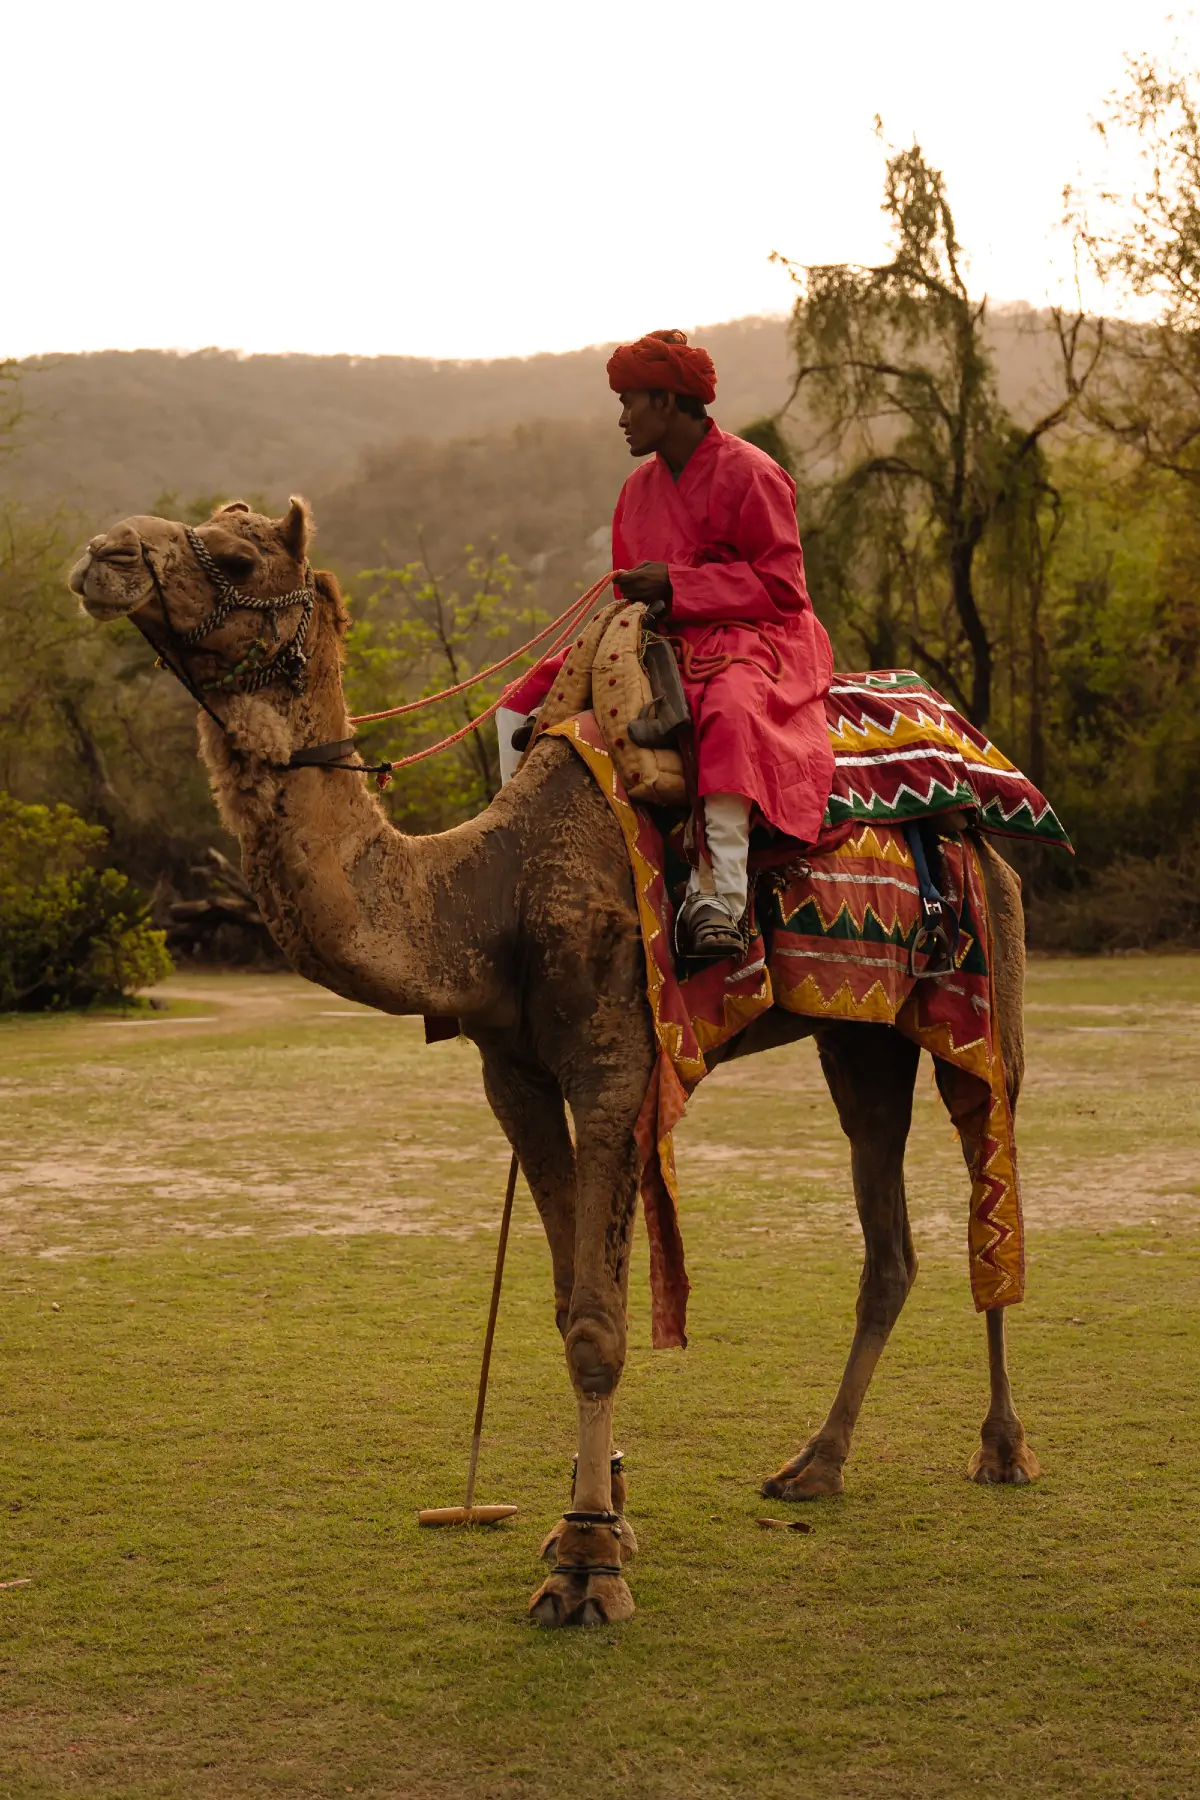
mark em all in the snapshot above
pixel 486 179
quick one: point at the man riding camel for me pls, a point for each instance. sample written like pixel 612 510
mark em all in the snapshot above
pixel 704 533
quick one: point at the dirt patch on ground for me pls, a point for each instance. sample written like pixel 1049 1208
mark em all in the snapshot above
pixel 278 1110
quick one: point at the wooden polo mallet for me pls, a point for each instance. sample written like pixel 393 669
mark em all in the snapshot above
pixel 468 1513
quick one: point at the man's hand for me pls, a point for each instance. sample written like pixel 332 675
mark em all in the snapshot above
pixel 649 584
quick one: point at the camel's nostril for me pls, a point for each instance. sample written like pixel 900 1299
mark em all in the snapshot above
pixel 100 550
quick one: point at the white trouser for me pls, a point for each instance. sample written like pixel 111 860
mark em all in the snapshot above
pixel 723 876
pixel 506 723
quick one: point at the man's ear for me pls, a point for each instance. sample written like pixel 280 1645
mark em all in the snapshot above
pixel 295 528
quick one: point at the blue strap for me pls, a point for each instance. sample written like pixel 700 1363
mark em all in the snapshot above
pixel 938 932
pixel 925 881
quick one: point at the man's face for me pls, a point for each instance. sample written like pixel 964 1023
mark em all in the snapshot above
pixel 644 419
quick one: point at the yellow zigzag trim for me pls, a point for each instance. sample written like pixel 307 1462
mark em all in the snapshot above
pixel 875 1007
pixel 888 846
pixel 871 737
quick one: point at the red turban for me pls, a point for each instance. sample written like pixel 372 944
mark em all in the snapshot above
pixel 663 359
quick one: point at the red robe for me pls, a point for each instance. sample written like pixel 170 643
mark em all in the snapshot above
pixel 727 533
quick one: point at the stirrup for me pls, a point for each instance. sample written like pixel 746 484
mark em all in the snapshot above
pixel 936 935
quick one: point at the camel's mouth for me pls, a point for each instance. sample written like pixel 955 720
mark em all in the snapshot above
pixel 110 580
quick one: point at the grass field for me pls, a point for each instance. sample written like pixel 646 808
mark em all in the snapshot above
pixel 247 1250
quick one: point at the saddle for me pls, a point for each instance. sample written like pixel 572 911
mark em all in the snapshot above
pixel 605 672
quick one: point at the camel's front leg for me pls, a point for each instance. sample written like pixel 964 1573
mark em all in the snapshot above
pixel 870 1070
pixel 528 1102
pixel 591 1543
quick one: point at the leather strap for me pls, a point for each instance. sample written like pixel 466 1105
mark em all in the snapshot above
pixel 319 756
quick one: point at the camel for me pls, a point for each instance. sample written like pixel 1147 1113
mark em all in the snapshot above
pixel 522 925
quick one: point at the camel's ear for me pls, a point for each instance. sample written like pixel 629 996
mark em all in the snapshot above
pixel 328 590
pixel 295 528
pixel 234 506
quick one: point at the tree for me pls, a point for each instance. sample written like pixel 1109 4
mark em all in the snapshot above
pixel 417 632
pixel 11 408
pixel 897 382
pixel 85 719
pixel 1145 243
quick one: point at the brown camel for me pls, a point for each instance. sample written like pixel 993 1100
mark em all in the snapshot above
pixel 522 925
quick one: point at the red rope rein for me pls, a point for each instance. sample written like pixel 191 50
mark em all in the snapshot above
pixel 564 628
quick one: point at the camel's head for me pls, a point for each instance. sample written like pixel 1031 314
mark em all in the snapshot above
pixel 152 568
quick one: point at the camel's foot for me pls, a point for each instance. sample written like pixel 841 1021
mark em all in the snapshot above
pixel 582 1598
pixel 812 1475
pixel 585 1586
pixel 1004 1456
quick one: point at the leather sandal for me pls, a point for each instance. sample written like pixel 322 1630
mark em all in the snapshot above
pixel 706 931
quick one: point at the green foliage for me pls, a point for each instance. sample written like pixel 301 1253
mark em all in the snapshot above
pixel 11 405
pixel 85 717
pixel 70 933
pixel 417 632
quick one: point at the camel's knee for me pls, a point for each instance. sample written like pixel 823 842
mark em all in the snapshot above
pixel 595 1345
pixel 882 1293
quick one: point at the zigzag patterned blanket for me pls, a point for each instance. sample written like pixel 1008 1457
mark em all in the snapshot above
pixel 902 752
pixel 833 942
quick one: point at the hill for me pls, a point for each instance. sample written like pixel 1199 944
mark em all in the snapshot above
pixel 107 433
pixel 543 492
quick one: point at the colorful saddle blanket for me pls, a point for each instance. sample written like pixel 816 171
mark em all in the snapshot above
pixel 833 941
pixel 902 752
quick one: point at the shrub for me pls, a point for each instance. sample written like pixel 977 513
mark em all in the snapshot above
pixel 70 933
pixel 1132 903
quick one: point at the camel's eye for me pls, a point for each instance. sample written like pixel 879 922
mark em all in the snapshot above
pixel 236 563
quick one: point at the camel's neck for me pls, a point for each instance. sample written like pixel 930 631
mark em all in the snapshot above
pixel 406 924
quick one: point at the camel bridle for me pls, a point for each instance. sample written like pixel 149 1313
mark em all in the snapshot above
pixel 289 663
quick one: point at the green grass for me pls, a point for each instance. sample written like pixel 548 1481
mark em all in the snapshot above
pixel 246 1270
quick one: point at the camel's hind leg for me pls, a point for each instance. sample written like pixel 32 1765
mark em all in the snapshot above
pixel 1003 1455
pixel 871 1071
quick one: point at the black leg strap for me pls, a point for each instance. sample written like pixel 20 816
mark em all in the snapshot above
pixel 583 1570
